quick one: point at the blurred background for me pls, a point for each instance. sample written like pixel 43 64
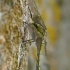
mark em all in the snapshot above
pixel 56 16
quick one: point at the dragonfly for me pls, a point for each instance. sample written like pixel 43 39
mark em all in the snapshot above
pixel 34 29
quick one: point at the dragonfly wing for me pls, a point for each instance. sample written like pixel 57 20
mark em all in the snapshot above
pixel 39 43
pixel 32 32
pixel 34 13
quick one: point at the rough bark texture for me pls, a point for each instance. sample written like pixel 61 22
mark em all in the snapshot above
pixel 56 15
